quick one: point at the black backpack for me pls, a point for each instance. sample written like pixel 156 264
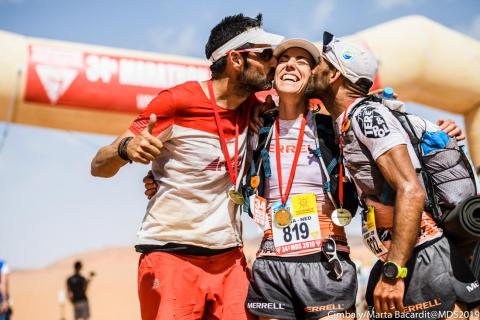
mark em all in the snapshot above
pixel 328 150
pixel 447 174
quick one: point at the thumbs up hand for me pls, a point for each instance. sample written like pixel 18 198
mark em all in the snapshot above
pixel 145 147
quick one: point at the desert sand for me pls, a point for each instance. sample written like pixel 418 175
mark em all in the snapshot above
pixel 112 292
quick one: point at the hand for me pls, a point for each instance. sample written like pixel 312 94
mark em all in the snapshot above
pixel 451 128
pixel 256 121
pixel 144 147
pixel 151 186
pixel 388 295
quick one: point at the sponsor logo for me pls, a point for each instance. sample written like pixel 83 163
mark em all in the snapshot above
pixel 290 148
pixel 264 305
pixel 423 306
pixel 55 80
pixel 372 123
pixel 347 54
pixel 327 307
pixel 217 165
pixel 472 286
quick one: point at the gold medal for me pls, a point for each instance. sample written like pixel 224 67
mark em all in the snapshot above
pixel 236 197
pixel 341 217
pixel 282 218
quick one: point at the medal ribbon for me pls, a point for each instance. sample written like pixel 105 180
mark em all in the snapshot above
pixel 232 169
pixel 345 126
pixel 295 159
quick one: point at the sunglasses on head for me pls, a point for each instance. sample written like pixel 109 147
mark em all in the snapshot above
pixel 329 249
pixel 327 41
pixel 328 45
pixel 264 54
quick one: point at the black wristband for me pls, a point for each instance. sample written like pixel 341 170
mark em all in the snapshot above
pixel 122 149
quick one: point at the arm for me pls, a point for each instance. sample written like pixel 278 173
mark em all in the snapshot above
pixel 256 121
pixel 397 169
pixel 145 130
pixel 69 292
pixel 143 148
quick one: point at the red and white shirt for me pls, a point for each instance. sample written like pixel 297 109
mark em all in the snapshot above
pixel 191 205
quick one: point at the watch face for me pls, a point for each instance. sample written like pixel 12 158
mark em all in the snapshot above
pixel 390 270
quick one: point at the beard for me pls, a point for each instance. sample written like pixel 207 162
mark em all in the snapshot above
pixel 250 81
pixel 319 88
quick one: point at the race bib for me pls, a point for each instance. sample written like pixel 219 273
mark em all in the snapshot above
pixel 303 233
pixel 370 234
pixel 258 206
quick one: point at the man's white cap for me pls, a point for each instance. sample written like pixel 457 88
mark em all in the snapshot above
pixel 352 60
pixel 252 35
pixel 298 43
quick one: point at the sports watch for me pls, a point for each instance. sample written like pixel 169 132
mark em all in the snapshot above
pixel 393 271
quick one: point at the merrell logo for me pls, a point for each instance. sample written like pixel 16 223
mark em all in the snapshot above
pixel 217 165
pixel 472 286
pixel 262 305
pixel 328 307
pixel 423 306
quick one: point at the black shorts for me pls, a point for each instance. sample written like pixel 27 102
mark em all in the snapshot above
pixel 300 288
pixel 438 276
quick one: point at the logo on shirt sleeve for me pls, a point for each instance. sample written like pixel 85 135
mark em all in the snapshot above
pixel 372 123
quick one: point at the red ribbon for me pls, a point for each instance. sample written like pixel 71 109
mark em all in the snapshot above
pixel 232 169
pixel 340 173
pixel 295 159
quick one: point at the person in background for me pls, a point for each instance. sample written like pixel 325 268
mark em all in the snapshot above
pixel 77 286
pixel 5 310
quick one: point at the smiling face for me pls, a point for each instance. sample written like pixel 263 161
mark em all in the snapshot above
pixel 293 71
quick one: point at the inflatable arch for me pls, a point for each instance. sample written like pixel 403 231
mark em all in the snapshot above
pixel 99 89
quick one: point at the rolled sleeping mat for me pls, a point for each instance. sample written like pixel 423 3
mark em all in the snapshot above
pixel 475 263
pixel 462 225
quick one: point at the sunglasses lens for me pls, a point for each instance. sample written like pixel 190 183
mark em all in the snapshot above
pixel 327 39
pixel 266 54
pixel 337 269
pixel 329 247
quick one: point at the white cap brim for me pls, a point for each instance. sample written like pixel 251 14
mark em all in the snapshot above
pixel 310 47
pixel 253 35
pixel 263 37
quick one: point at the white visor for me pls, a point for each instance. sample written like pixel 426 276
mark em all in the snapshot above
pixel 253 35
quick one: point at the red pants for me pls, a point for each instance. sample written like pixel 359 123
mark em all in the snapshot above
pixel 172 286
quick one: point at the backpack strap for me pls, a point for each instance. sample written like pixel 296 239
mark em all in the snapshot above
pixel 260 164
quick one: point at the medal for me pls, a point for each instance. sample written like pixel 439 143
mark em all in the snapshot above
pixel 254 182
pixel 235 196
pixel 282 218
pixel 341 217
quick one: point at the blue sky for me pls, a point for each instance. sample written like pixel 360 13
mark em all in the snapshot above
pixel 50 206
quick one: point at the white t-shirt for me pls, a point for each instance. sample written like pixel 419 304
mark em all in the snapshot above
pixel 309 178
pixel 379 131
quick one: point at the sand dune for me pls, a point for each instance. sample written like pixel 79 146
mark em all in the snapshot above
pixel 113 291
